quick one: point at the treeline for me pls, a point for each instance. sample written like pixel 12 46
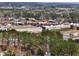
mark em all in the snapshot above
pixel 36 43
pixel 71 17
pixel 37 14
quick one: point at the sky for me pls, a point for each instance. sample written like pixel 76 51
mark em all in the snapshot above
pixel 39 0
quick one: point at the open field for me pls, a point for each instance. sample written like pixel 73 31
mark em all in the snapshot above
pixel 28 28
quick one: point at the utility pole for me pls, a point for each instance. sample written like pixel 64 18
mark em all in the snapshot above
pixel 47 53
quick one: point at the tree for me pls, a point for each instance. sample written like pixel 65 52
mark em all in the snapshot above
pixel 40 52
pixel 9 53
pixel 64 48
